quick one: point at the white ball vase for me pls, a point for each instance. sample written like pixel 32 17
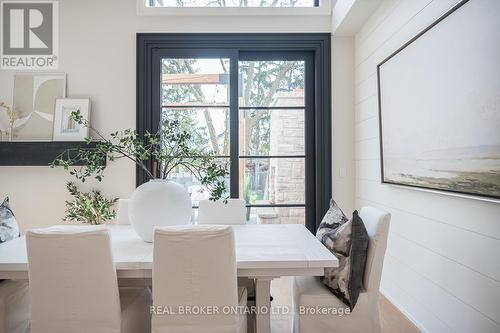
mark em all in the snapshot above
pixel 158 203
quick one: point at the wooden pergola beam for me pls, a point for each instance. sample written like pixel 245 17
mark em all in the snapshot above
pixel 195 78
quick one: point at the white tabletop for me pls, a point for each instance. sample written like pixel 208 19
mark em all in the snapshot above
pixel 261 250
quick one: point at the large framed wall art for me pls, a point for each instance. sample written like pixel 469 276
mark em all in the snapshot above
pixel 439 105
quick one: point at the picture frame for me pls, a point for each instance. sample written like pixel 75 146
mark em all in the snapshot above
pixel 438 127
pixel 65 128
pixel 34 98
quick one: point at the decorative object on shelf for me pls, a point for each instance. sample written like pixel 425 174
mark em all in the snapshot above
pixel 7 121
pixel 440 128
pixel 159 202
pixel 65 127
pixel 9 229
pixel 88 207
pixel 35 96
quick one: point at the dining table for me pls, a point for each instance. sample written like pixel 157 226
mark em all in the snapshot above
pixel 263 252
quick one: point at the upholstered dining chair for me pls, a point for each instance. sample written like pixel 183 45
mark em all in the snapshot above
pixel 231 212
pixel 195 266
pixel 309 292
pixel 122 212
pixel 73 284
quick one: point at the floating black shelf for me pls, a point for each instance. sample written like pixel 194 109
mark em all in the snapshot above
pixel 36 153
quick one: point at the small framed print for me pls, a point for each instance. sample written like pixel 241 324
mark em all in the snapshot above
pixel 65 128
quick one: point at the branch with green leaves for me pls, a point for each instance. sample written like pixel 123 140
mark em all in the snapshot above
pixel 88 207
pixel 172 147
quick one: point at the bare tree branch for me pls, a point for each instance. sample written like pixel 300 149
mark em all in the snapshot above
pixel 208 117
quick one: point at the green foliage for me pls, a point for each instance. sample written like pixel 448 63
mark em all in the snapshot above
pixel 179 149
pixel 172 147
pixel 91 207
pixel 248 193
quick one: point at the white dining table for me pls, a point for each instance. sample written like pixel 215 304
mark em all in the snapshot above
pixel 263 252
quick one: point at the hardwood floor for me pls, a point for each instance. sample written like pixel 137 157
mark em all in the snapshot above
pixel 392 320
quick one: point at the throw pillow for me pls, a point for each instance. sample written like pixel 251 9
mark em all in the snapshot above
pixel 8 225
pixel 348 240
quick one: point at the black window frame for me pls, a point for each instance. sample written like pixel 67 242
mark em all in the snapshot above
pixel 152 47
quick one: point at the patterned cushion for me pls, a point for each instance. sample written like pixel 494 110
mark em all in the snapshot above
pixel 348 240
pixel 8 225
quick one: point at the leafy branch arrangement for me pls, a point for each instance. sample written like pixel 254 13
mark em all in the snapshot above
pixel 171 147
pixel 91 207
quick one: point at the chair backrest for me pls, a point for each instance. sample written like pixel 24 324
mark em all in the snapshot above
pixel 72 280
pixel 122 212
pixel 194 266
pixel 219 212
pixel 377 225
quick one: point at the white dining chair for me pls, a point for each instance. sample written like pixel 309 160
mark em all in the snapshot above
pixel 195 266
pixel 309 292
pixel 122 212
pixel 73 284
pixel 14 306
pixel 231 212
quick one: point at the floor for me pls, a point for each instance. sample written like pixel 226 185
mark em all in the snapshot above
pixel 391 319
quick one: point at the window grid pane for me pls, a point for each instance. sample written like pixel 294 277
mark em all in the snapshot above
pixel 272 132
pixel 232 3
pixel 271 83
pixel 193 82
pixel 193 186
pixel 209 127
pixel 273 181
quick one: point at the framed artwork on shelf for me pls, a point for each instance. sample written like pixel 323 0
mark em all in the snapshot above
pixel 34 99
pixel 65 128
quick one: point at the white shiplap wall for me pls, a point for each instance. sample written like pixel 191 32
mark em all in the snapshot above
pixel 442 267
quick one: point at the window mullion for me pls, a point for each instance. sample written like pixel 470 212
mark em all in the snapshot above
pixel 234 125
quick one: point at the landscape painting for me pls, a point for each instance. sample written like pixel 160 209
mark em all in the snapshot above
pixel 438 132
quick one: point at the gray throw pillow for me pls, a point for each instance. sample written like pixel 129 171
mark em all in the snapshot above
pixel 8 224
pixel 348 240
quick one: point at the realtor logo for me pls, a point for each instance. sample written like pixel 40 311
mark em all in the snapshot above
pixel 29 36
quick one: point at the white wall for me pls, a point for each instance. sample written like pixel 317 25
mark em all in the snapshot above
pixel 97 51
pixel 343 122
pixel 442 266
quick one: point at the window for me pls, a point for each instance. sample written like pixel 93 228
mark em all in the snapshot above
pixel 262 109
pixel 272 137
pixel 196 92
pixel 231 3
pixel 234 8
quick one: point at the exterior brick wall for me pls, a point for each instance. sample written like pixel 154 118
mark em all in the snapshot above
pixel 287 176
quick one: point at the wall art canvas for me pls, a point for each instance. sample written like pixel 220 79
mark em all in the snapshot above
pixel 34 101
pixel 439 104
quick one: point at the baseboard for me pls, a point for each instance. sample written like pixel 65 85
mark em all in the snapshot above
pixel 403 312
